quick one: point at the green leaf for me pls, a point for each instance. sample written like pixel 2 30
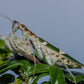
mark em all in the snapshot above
pixel 3 47
pixel 7 78
pixel 11 66
pixel 40 68
pixel 25 63
pixel 78 78
pixel 53 74
pixel 56 75
pixel 60 77
pixel 2 44
pixel 1 62
pixel 33 80
pixel 28 70
pixel 17 81
pixel 4 53
pixel 26 66
pixel 46 83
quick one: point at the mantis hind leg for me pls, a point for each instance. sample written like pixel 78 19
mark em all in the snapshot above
pixel 69 72
pixel 34 61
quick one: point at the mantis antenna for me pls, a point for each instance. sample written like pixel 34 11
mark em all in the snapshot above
pixel 6 17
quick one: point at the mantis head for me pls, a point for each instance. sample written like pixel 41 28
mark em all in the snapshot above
pixel 15 26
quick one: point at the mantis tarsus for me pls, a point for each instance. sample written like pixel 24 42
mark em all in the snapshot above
pixel 41 48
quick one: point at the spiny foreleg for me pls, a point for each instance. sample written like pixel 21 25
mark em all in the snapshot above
pixel 25 34
pixel 20 48
pixel 17 45
pixel 26 42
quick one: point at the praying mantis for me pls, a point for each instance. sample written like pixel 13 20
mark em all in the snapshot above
pixel 43 50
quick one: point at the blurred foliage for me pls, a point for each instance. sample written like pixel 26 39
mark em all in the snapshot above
pixel 4 53
pixel 28 73
pixel 17 81
pixel 6 78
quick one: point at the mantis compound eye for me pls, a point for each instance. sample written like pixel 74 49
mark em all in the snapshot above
pixel 15 26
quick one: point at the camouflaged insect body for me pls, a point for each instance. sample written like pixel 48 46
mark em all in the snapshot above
pixel 52 54
pixel 41 48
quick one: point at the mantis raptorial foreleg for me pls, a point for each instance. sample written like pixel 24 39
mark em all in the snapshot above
pixel 18 45
pixel 21 49
pixel 26 42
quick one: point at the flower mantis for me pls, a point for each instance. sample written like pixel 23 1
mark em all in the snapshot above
pixel 43 50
